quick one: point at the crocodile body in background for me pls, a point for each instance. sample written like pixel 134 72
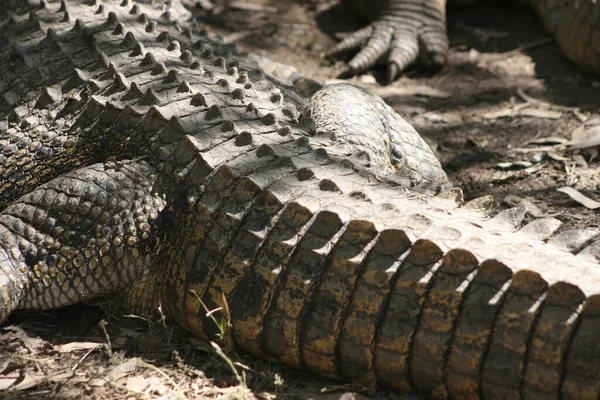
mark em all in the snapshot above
pixel 406 31
pixel 142 159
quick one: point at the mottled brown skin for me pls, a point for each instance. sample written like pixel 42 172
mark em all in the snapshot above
pixel 143 160
pixel 409 31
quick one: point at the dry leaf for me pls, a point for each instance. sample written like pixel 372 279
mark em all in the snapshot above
pixel 29 342
pixel 580 161
pixel 118 372
pixel 137 383
pixel 592 139
pixel 428 91
pixel 523 112
pixel 548 141
pixel 32 381
pixel 157 387
pixel 580 198
pixel 586 135
pixel 514 165
pixel 540 113
pixel 7 381
pixel 77 346
pixel 11 374
pixel 578 134
pixel 123 369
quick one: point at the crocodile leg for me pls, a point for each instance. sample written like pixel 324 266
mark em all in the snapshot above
pixel 409 31
pixel 84 234
pixel 406 30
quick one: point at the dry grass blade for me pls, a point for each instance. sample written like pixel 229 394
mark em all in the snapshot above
pixel 240 378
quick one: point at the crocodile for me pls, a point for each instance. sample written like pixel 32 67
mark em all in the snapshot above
pixel 409 31
pixel 143 160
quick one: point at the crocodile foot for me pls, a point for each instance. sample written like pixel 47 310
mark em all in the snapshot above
pixel 406 32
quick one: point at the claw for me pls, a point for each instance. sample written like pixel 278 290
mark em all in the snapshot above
pixel 350 42
pixel 438 61
pixel 393 71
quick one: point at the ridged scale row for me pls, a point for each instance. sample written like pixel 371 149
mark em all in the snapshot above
pixel 111 64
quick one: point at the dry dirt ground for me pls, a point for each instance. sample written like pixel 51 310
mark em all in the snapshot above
pixel 500 115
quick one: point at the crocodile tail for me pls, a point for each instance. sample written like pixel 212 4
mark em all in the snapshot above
pixel 351 303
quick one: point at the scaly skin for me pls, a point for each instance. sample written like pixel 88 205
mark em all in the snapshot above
pixel 409 31
pixel 175 176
